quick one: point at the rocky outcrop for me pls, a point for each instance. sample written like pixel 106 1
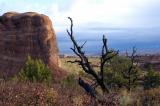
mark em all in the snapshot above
pixel 23 34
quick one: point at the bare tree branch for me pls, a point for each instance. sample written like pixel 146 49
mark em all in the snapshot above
pixel 106 55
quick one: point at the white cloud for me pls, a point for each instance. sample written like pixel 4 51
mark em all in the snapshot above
pixel 111 12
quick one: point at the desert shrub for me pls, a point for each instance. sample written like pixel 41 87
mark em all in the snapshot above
pixel 35 71
pixel 116 73
pixel 113 79
pixel 26 94
pixel 152 79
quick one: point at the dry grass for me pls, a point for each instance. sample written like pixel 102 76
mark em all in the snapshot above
pixel 26 94
pixel 35 94
pixel 74 68
pixel 140 98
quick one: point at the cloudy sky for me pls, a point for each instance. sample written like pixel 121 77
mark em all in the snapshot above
pixel 92 14
pixel 126 23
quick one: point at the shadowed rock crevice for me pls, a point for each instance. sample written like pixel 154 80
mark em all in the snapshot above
pixel 23 34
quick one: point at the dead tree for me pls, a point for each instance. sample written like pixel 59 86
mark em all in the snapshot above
pixel 106 55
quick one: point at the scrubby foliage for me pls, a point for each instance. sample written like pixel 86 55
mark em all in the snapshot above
pixel 68 93
pixel 35 71
pixel 113 72
pixel 152 79
pixel 26 94
pixel 116 70
pixel 38 94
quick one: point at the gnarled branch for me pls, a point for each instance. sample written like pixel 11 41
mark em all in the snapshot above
pixel 85 64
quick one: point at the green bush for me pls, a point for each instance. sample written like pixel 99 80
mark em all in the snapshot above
pixel 35 71
pixel 114 79
pixel 152 80
pixel 116 73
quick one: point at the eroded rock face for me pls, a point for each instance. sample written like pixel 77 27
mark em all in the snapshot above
pixel 23 34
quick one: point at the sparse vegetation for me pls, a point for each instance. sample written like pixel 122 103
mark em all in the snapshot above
pixel 112 73
pixel 117 74
pixel 26 94
pixel 60 94
pixel 35 71
pixel 152 79
pixel 109 80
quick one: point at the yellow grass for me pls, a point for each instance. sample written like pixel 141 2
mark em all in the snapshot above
pixel 74 68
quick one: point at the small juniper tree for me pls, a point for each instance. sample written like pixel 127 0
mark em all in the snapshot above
pixel 131 73
pixel 114 72
pixel 122 71
pixel 35 71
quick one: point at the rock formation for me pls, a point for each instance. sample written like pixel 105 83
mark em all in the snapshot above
pixel 23 34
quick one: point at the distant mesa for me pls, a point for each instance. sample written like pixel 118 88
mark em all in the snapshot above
pixel 23 34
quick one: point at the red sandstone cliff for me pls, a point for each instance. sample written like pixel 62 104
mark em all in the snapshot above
pixel 23 34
